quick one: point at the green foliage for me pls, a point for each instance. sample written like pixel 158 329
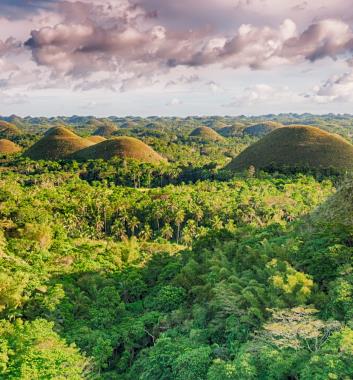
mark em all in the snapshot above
pixel 32 350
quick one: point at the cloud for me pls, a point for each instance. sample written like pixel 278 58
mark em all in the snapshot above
pixel 338 88
pixel 127 44
pixel 8 99
pixel 263 94
pixel 174 102
pixel 326 38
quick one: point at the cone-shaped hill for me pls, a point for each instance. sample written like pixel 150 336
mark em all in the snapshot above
pixel 8 147
pixel 123 147
pixel 58 143
pixel 8 130
pixel 105 130
pixel 95 139
pixel 206 133
pixel 261 129
pixel 338 209
pixel 231 130
pixel 299 147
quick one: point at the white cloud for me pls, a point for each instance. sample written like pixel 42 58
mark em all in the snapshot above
pixel 338 88
pixel 174 102
pixel 263 94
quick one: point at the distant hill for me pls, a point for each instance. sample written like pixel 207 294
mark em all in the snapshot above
pixel 124 147
pixel 261 129
pixel 206 133
pixel 297 146
pixel 105 130
pixel 95 139
pixel 8 147
pixel 8 130
pixel 231 130
pixel 57 143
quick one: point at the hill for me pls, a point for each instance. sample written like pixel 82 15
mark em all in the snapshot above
pixel 95 139
pixel 231 130
pixel 339 208
pixel 297 146
pixel 8 147
pixel 261 129
pixel 105 130
pixel 8 130
pixel 206 133
pixel 124 147
pixel 58 143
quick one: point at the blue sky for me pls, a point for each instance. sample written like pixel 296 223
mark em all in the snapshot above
pixel 162 57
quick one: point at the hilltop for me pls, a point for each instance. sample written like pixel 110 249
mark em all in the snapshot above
pixel 261 129
pixel 8 147
pixel 206 133
pixel 57 143
pixel 297 146
pixel 124 147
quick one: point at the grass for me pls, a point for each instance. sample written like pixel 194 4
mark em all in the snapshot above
pixel 58 143
pixel 262 129
pixel 8 147
pixel 8 130
pixel 95 139
pixel 297 146
pixel 124 147
pixel 206 133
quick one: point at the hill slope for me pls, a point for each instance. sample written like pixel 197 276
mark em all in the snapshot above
pixel 206 133
pixel 261 129
pixel 58 143
pixel 339 208
pixel 297 146
pixel 8 130
pixel 8 147
pixel 95 139
pixel 124 147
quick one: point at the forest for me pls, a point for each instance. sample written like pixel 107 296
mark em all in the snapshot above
pixel 179 268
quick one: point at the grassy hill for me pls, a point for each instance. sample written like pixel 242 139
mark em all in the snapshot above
pixel 105 130
pixel 231 130
pixel 8 147
pixel 124 147
pixel 206 133
pixel 297 146
pixel 261 129
pixel 339 208
pixel 95 139
pixel 8 130
pixel 57 143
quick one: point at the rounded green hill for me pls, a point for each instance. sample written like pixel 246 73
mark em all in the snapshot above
pixel 123 147
pixel 299 147
pixel 8 147
pixel 261 129
pixel 8 130
pixel 58 143
pixel 206 133
pixel 105 130
pixel 231 130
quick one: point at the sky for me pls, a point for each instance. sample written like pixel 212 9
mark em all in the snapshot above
pixel 175 57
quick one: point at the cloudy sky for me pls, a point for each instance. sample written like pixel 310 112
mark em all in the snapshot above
pixel 175 57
